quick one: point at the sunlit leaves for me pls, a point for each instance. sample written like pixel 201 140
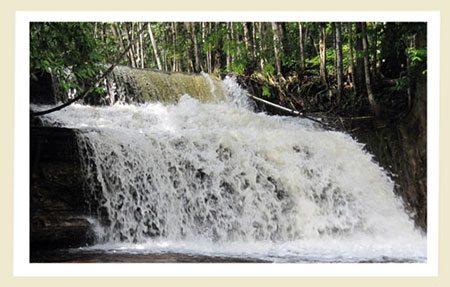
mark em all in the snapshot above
pixel 68 50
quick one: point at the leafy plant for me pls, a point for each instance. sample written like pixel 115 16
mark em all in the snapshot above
pixel 68 50
pixel 237 68
pixel 269 70
pixel 266 91
pixel 417 55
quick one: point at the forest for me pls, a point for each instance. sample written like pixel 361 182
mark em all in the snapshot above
pixel 367 78
pixel 357 68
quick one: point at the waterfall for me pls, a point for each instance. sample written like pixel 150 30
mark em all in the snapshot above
pixel 127 84
pixel 212 176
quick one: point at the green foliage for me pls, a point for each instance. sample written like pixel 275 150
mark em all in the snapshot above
pixel 401 84
pixel 346 55
pixel 417 55
pixel 99 91
pixel 266 91
pixel 237 68
pixel 289 61
pixel 68 50
pixel 77 52
pixel 312 65
pixel 214 38
pixel 313 62
pixel 269 71
pixel 331 55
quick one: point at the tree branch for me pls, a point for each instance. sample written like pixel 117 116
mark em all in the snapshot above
pixel 92 86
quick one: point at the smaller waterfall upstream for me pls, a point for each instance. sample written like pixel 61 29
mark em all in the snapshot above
pixel 127 84
pixel 216 178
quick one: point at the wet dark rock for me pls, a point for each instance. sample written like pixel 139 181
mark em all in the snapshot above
pixel 403 154
pixel 42 89
pixel 58 208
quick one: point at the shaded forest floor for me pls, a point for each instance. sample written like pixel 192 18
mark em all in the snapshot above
pixel 311 97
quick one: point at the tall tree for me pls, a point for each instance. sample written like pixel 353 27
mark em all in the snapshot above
pixel 323 54
pixel 154 46
pixel 130 37
pixel 374 48
pixel 174 47
pixel 252 25
pixel 118 34
pixel 260 45
pixel 228 45
pixel 276 47
pixel 141 46
pixel 370 94
pixel 360 86
pixel 195 45
pixel 218 42
pixel 301 48
pixel 339 63
pixel 351 60
pixel 206 28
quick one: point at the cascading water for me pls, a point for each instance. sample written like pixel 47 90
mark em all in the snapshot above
pixel 218 179
pixel 127 84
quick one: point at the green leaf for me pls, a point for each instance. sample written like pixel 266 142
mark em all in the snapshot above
pixel 265 91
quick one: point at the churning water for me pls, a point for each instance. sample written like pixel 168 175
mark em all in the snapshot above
pixel 218 179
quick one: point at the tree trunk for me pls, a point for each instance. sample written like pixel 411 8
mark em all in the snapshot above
pixel 228 45
pixel 133 48
pixel 260 46
pixel 195 44
pixel 205 31
pixel 246 36
pixel 117 32
pixel 141 44
pixel 253 26
pixel 314 44
pixel 209 52
pixel 165 52
pixel 276 47
pixel 235 41
pixel 339 64
pixel 333 34
pixel 370 95
pixel 216 53
pixel 248 39
pixel 302 48
pixel 374 49
pixel 352 61
pixel 281 35
pixel 174 47
pixel 154 47
pixel 323 55
pixel 137 47
pixel 359 68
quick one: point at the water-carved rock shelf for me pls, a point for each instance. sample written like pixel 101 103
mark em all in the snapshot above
pixel 58 209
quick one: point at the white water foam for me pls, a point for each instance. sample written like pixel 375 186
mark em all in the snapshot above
pixel 221 180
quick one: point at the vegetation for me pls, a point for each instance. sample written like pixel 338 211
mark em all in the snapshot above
pixel 350 65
